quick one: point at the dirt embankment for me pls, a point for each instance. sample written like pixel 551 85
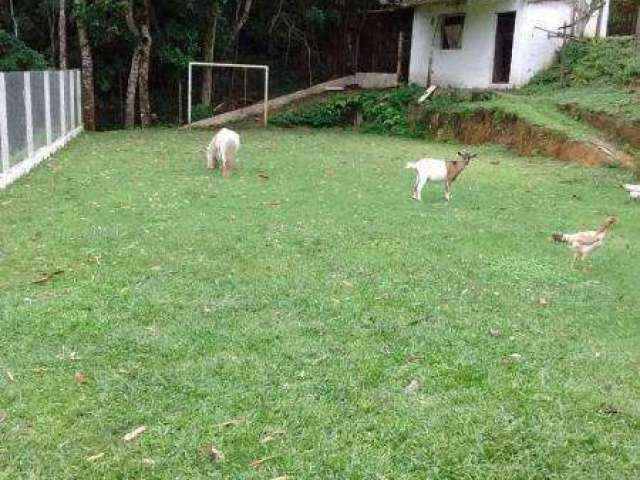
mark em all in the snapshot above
pixel 490 126
pixel 627 130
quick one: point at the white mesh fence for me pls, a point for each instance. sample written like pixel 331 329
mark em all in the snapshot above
pixel 39 113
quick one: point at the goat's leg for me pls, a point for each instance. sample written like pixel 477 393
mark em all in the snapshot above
pixel 211 158
pixel 421 182
pixel 415 187
pixel 447 192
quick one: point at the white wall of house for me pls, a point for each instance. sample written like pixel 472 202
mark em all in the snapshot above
pixel 472 65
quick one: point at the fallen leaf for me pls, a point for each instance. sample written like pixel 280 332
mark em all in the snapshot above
pixel 40 370
pixel 148 461
pixel 3 417
pixel 133 434
pixel 271 204
pixel 413 387
pixel 259 463
pixel 10 376
pixel 411 358
pixel 212 453
pixel 542 302
pixel 46 276
pixel 81 377
pixel 272 436
pixel 234 422
pixel 263 175
pixel 511 359
pixel 284 477
pixel 494 332
pixel 93 458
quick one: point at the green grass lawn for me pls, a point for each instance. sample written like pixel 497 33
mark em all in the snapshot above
pixel 299 299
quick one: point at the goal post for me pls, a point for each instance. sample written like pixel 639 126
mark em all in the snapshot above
pixel 241 66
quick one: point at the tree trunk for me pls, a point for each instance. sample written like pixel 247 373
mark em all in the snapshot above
pixel 132 84
pixel 88 93
pixel 62 34
pixel 143 79
pixel 140 67
pixel 638 24
pixel 208 55
pixel 13 19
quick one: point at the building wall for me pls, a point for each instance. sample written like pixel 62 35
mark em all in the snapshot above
pixel 472 66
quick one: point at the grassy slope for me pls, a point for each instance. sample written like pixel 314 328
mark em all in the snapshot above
pixel 540 107
pixel 305 304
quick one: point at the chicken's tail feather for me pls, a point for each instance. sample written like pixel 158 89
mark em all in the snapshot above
pixel 558 237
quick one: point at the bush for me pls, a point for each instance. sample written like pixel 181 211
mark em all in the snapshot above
pixel 610 61
pixel 16 56
pixel 383 111
pixel 200 111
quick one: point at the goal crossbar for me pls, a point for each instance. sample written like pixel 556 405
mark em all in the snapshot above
pixel 231 65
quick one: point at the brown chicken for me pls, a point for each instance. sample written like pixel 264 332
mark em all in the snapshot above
pixel 585 243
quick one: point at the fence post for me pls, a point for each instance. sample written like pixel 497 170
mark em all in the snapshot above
pixel 28 113
pixel 4 131
pixel 72 100
pixel 63 117
pixel 47 107
pixel 266 96
pixel 79 98
pixel 189 97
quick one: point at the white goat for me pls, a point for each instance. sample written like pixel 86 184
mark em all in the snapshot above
pixel 634 191
pixel 223 148
pixel 445 171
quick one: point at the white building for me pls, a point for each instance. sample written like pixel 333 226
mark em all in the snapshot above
pixel 493 43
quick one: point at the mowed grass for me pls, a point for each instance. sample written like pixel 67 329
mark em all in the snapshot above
pixel 298 299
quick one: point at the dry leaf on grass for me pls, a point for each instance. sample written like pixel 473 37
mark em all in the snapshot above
pixel 413 387
pixel 3 417
pixel 234 422
pixel 494 332
pixel 133 434
pixel 81 377
pixel 210 451
pixel 283 477
pixel 148 461
pixel 46 276
pixel 93 458
pixel 10 376
pixel 263 175
pixel 259 463
pixel 272 436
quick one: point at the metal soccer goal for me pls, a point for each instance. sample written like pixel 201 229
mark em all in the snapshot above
pixel 244 67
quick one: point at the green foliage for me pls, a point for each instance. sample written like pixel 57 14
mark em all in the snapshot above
pixel 16 56
pixel 595 61
pixel 201 111
pixel 383 111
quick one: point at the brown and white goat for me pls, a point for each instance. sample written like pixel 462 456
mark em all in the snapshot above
pixel 445 171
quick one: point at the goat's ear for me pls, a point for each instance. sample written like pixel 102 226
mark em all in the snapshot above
pixel 460 154
pixel 475 155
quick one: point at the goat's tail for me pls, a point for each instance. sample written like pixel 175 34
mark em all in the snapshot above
pixel 411 165
pixel 558 237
